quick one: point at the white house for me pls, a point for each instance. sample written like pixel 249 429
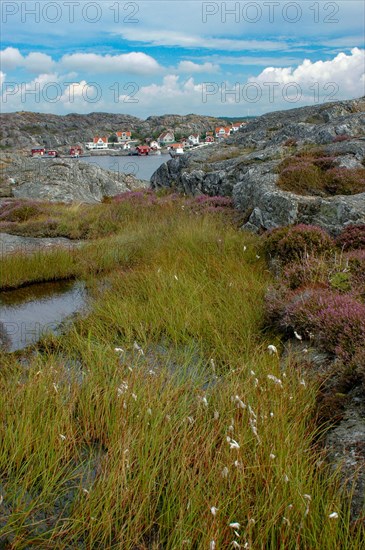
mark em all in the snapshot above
pixel 155 145
pixel 166 137
pixel 194 139
pixel 98 143
pixel 237 125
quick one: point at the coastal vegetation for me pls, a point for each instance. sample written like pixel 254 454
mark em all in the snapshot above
pixel 313 172
pixel 164 417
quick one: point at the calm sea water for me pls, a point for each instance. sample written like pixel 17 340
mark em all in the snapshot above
pixel 141 167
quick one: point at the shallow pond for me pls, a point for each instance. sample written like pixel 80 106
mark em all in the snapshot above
pixel 28 313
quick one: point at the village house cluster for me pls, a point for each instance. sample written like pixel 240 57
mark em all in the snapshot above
pixel 124 141
pixel 166 139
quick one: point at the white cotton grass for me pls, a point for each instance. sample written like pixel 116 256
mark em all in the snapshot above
pixel 212 545
pixel 225 472
pixel 235 525
pixel 272 349
pixel 297 336
pixel 232 443
pixel 119 350
pixel 122 388
pixel 276 380
pixel 138 348
pixel 62 437
pixel 334 515
pixel 239 403
pixel 214 511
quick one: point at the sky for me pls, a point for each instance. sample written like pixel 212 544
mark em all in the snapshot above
pixel 154 57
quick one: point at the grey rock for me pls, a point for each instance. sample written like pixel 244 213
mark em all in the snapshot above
pixel 346 450
pixel 59 180
pixel 15 243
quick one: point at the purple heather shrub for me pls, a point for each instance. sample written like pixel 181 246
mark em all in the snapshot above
pixel 144 197
pixel 336 321
pixel 296 242
pixel 19 211
pixel 352 237
pixel 306 271
pixel 205 204
pixel 325 163
pixel 344 181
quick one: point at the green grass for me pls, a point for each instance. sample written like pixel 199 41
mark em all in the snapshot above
pixel 106 449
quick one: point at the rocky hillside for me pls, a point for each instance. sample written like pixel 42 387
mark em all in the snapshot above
pixel 23 130
pixel 326 141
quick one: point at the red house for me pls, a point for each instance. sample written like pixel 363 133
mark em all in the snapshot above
pixel 143 150
pixel 75 151
pixel 52 153
pixel 37 152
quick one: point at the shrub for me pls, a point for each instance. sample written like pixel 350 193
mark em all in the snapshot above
pixel 301 177
pixel 314 172
pixel 341 281
pixel 292 243
pixel 306 271
pixel 356 264
pixel 343 137
pixel 290 142
pixel 352 237
pixel 336 321
pixel 344 181
pixel 19 211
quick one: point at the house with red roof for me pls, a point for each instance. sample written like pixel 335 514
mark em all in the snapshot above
pixel 98 143
pixel 222 132
pixel 237 125
pixel 124 136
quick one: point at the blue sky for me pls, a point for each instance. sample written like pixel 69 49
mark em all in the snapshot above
pixel 165 56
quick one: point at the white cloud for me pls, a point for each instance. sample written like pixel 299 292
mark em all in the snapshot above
pixel 346 71
pixel 171 90
pixel 11 58
pixel 133 62
pixel 165 37
pixel 191 67
pixel 2 78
